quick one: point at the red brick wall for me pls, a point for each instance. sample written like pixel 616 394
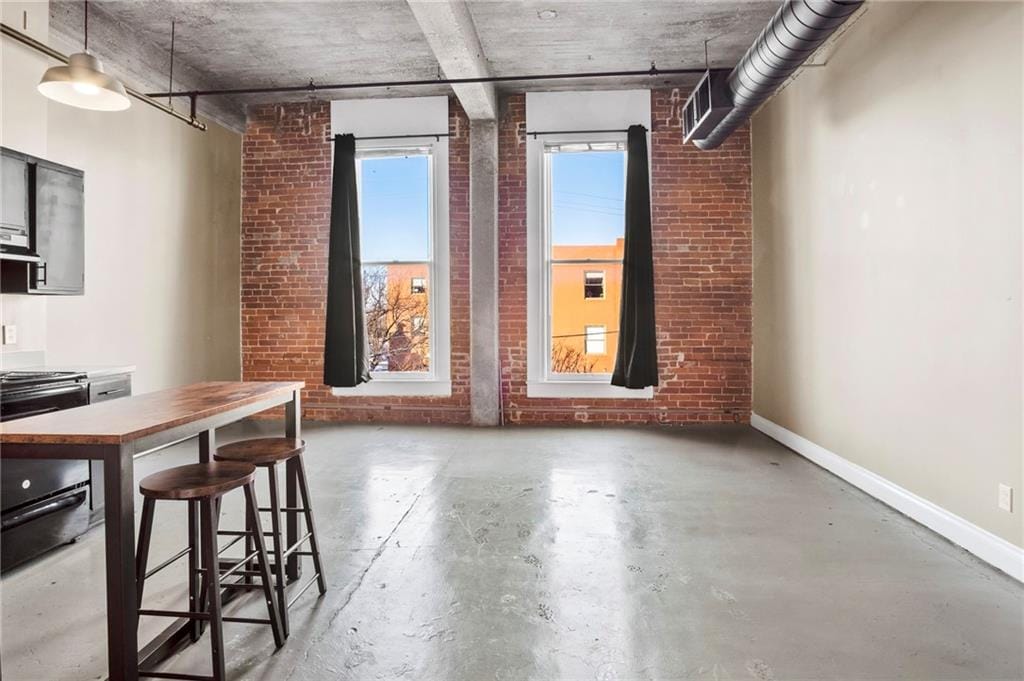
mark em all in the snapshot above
pixel 286 200
pixel 702 251
pixel 702 262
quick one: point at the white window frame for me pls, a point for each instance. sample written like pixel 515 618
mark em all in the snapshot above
pixel 566 111
pixel 436 382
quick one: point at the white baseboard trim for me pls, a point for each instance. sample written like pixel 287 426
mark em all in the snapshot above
pixel 994 550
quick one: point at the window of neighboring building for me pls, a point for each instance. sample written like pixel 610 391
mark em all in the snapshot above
pixel 419 285
pixel 417 324
pixel 593 284
pixel 594 340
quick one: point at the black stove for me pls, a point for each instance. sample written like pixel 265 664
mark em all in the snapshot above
pixel 43 504
pixel 17 376
pixel 16 382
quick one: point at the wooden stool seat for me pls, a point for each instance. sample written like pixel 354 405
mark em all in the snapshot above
pixel 197 480
pixel 261 451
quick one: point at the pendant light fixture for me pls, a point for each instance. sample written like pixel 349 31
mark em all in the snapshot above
pixel 82 82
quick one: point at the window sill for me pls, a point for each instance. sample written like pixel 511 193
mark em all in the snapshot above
pixel 585 389
pixel 391 387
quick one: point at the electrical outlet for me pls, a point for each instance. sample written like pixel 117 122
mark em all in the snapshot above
pixel 1006 498
pixel 10 334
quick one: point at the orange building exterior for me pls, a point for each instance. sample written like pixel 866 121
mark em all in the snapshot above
pixel 584 327
pixel 572 311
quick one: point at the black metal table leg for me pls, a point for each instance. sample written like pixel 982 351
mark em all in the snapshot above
pixel 207 445
pixel 119 513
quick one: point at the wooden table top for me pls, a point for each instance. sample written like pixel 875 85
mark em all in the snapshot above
pixel 130 418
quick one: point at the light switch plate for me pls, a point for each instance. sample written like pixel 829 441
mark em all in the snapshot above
pixel 1006 498
pixel 10 334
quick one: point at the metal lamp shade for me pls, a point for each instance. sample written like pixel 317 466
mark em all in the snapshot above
pixel 82 83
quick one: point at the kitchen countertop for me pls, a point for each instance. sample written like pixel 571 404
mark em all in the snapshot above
pixel 131 418
pixel 91 370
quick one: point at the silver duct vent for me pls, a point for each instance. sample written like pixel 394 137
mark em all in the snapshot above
pixel 790 38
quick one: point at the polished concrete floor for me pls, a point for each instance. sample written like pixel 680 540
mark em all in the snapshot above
pixel 568 553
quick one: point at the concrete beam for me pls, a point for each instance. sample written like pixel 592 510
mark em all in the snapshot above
pixel 449 29
pixel 485 380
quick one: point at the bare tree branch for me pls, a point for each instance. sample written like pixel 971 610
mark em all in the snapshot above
pixel 566 359
pixel 397 323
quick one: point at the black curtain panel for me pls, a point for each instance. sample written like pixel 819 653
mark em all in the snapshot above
pixel 346 350
pixel 636 362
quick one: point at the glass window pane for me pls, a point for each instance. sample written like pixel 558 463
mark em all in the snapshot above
pixel 594 340
pixel 394 207
pixel 584 331
pixel 397 318
pixel 588 198
pixel 593 285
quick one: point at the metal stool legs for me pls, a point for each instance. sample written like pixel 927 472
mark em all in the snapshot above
pixel 314 544
pixel 142 554
pixel 208 522
pixel 252 510
pixel 281 554
pixel 275 528
pixel 205 592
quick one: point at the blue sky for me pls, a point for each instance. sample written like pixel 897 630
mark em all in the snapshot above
pixel 587 187
pixel 588 196
pixel 395 208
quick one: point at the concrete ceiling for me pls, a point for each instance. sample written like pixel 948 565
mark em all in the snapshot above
pixel 615 36
pixel 225 44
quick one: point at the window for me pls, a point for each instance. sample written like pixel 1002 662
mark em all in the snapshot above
pixel 402 185
pixel 398 237
pixel 584 225
pixel 575 229
pixel 593 284
pixel 594 340
pixel 395 226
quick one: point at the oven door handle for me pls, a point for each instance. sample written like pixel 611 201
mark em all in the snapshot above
pixel 43 508
pixel 48 392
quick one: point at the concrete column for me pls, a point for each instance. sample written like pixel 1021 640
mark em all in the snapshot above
pixel 485 387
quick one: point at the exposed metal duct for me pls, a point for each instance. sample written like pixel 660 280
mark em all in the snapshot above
pixel 790 38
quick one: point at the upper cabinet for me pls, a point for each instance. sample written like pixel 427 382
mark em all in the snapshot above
pixel 59 230
pixel 44 254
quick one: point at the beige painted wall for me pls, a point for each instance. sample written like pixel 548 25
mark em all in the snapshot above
pixel 887 254
pixel 162 234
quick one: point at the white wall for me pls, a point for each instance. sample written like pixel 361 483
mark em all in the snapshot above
pixel 887 246
pixel 162 232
